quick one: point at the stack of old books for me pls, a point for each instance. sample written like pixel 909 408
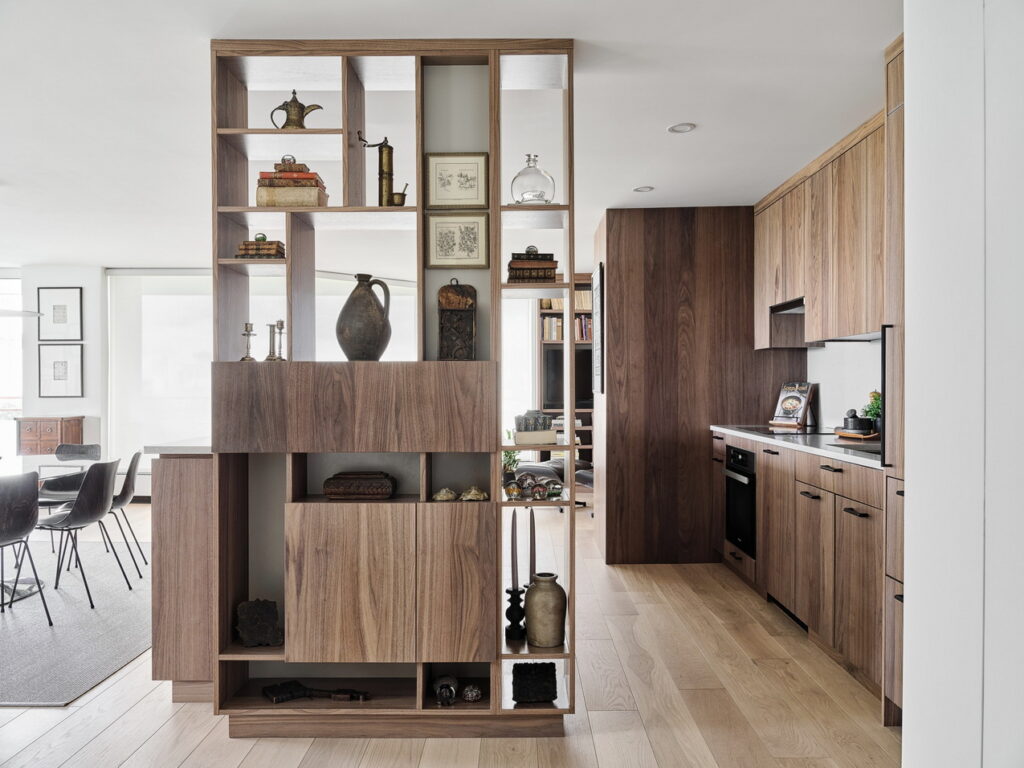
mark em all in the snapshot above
pixel 532 267
pixel 290 185
pixel 260 249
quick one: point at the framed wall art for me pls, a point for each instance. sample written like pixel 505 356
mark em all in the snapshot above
pixel 457 241
pixel 60 314
pixel 457 180
pixel 60 370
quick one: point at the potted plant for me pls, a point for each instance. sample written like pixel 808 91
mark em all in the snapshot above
pixel 873 410
pixel 509 461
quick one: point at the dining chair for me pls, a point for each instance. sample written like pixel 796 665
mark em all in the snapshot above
pixel 19 513
pixel 121 501
pixel 90 506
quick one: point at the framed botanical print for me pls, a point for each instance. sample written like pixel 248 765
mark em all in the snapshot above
pixel 60 370
pixel 60 314
pixel 457 240
pixel 457 180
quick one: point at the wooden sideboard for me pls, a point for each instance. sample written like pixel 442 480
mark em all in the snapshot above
pixel 40 436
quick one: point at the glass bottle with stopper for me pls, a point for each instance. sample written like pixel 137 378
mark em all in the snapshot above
pixel 533 185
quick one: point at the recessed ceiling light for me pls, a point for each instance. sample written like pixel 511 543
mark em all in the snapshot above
pixel 643 189
pixel 681 127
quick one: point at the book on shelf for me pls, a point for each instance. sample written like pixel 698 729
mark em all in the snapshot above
pixel 536 437
pixel 551 329
pixel 291 196
pixel 305 176
pixel 524 264
pixel 291 167
pixel 260 249
pixel 516 275
pixel 584 301
pixel 533 256
pixel 558 304
pixel 290 183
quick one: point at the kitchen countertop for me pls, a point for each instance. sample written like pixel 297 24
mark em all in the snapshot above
pixel 816 444
pixel 190 445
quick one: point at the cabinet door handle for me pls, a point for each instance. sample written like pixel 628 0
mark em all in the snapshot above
pixel 769 450
pixel 899 493
pixel 715 458
pixel 717 437
pixel 830 468
pixel 734 556
pixel 809 495
pixel 854 512
pixel 898 597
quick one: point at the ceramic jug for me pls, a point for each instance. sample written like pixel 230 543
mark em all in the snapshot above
pixel 363 328
pixel 545 611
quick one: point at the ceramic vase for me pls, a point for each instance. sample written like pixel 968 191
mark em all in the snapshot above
pixel 363 327
pixel 545 611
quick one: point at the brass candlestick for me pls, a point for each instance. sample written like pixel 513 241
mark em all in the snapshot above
pixel 248 333
pixel 280 339
pixel 385 169
pixel 273 342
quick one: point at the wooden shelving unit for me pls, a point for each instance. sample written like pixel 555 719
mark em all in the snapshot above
pixel 403 589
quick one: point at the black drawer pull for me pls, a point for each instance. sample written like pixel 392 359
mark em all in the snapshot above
pixel 734 556
pixel 769 450
pixel 809 495
pixel 716 459
pixel 854 512
pixel 717 437
pixel 898 597
pixel 899 493
pixel 829 468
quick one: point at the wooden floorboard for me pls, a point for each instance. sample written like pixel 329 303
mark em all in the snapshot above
pixel 679 666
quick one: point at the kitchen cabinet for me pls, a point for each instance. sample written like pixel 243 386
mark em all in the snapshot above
pixel 818 255
pixel 456 592
pixel 863 484
pixel 794 244
pixel 858 210
pixel 859 533
pixel 814 560
pixel 775 525
pixel 350 582
pixel 40 437
pixel 739 561
pixel 892 687
pixel 767 271
pixel 892 386
pixel 717 489
pixel 894 529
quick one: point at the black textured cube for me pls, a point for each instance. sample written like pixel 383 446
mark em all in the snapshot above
pixel 258 623
pixel 534 683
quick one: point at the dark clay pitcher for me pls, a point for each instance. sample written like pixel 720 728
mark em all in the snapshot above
pixel 363 329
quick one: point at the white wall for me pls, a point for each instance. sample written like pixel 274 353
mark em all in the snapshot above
pixel 94 351
pixel 963 668
pixel 845 372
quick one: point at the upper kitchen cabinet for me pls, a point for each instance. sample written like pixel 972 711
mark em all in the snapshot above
pixel 779 255
pixel 858 211
pixel 818 254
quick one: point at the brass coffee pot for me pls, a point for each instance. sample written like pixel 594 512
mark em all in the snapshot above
pixel 295 112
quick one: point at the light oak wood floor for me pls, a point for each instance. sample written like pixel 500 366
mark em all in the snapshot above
pixel 678 666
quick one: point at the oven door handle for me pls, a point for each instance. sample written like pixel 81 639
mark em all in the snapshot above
pixel 736 476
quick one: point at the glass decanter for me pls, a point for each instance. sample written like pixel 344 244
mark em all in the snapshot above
pixel 532 185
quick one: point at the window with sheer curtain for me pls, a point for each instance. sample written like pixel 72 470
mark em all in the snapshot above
pixel 160 351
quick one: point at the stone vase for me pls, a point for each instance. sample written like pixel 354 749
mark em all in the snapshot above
pixel 363 327
pixel 545 611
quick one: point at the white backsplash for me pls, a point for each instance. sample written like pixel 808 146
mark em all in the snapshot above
pixel 845 373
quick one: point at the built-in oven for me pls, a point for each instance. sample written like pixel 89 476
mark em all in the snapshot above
pixel 741 500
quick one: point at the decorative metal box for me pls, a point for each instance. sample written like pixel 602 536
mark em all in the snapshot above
pixel 456 311
pixel 356 486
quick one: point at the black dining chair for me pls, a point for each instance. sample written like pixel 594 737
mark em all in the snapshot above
pixel 19 513
pixel 90 506
pixel 121 501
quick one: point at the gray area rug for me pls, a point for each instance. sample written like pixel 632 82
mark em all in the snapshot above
pixel 52 666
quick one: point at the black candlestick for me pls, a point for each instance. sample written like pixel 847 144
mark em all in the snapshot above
pixel 515 614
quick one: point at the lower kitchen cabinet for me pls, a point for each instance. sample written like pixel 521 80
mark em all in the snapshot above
pixel 717 490
pixel 814 561
pixel 893 686
pixel 350 582
pixel 859 563
pixel 775 527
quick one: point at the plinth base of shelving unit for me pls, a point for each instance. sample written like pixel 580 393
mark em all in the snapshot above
pixel 424 726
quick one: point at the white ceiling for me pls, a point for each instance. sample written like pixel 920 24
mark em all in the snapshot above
pixel 105 141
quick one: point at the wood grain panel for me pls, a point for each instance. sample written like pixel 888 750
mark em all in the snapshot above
pixel 183 568
pixel 775 524
pixel 455 581
pixel 350 582
pixel 304 407
pixel 763 293
pixel 893 685
pixel 353 118
pixel 407 46
pixel 673 270
pixel 739 561
pixel 301 279
pixel 894 529
pixel 858 588
pixel 818 266
pixel 305 725
pixel 895 401
pixel 814 561
pixel 776 228
pixel 894 84
pixel 794 242
pixel 874 225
